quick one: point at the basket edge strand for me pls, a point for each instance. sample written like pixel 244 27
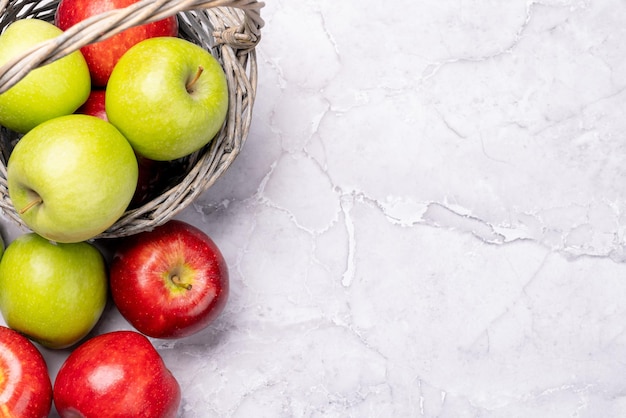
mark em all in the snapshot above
pixel 108 24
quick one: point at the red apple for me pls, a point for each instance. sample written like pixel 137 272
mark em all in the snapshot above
pixel 102 56
pixel 94 105
pixel 116 374
pixel 25 387
pixel 169 282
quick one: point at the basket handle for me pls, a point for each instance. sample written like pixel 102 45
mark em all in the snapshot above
pixel 108 24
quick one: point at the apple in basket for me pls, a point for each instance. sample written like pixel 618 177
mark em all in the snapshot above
pixel 94 105
pixel 102 56
pixel 168 96
pixel 52 293
pixel 53 90
pixel 25 388
pixel 72 177
pixel 169 282
pixel 152 174
pixel 116 374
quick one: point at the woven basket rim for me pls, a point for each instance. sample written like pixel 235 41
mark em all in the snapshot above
pixel 231 30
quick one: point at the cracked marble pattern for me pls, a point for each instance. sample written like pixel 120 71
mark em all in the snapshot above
pixel 428 218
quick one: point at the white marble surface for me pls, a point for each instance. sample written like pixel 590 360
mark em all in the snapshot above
pixel 428 218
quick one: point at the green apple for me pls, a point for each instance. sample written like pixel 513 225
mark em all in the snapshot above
pixel 53 90
pixel 168 96
pixel 51 292
pixel 72 177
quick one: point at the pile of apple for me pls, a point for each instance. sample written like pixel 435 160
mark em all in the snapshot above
pixel 89 122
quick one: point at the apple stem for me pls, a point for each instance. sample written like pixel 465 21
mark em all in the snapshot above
pixel 32 203
pixel 191 83
pixel 176 280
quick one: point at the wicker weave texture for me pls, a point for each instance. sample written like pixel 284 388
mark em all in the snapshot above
pixel 230 30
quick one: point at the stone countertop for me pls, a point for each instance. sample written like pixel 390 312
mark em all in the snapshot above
pixel 428 218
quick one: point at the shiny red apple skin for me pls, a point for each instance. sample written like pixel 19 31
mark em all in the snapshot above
pixel 94 105
pixel 143 284
pixel 102 56
pixel 116 374
pixel 25 387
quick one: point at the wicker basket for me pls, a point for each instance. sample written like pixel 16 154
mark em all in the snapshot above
pixel 229 29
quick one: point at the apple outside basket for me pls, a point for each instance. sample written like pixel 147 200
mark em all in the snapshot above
pixel 230 30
